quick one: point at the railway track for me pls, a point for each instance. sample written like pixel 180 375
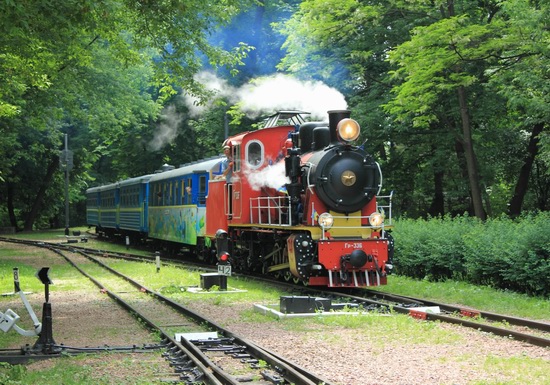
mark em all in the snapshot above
pixel 529 331
pixel 533 332
pixel 195 358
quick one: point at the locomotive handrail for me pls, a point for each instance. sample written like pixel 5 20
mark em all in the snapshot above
pixel 271 206
pixel 277 210
pixel 382 208
pixel 381 178
pixel 309 185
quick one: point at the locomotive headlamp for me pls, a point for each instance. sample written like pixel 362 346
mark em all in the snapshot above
pixel 348 130
pixel 376 219
pixel 325 220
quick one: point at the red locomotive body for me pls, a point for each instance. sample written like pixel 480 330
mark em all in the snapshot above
pixel 303 204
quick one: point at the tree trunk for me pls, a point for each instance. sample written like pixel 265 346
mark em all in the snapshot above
pixel 438 202
pixel 31 217
pixel 542 185
pixel 523 179
pixel 473 175
pixel 461 161
pixel 11 208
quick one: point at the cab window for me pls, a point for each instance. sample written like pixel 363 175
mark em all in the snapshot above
pixel 254 154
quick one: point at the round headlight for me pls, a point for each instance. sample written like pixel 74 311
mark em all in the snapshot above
pixel 376 219
pixel 348 130
pixel 325 220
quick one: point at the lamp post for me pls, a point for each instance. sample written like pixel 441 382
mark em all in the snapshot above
pixel 66 161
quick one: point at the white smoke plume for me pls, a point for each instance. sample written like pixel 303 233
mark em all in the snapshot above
pixel 268 94
pixel 281 92
pixel 271 176
pixel 262 96
pixel 167 130
pixel 212 83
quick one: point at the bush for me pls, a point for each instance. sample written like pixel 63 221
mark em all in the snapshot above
pixel 502 253
pixel 431 249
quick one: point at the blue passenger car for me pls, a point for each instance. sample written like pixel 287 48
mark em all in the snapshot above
pixel 177 201
pixel 133 206
pixel 108 208
pixel 92 206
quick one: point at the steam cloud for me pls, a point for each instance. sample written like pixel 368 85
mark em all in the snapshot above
pixel 268 94
pixel 270 176
pixel 261 96
pixel 167 129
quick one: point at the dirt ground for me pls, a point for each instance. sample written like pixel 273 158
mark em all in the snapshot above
pixel 344 357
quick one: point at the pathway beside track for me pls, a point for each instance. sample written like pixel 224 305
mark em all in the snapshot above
pixel 206 360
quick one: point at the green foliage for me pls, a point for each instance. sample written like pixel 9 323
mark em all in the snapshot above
pixel 103 71
pixel 511 255
pixel 432 249
pixel 400 64
pixel 100 72
pixel 502 253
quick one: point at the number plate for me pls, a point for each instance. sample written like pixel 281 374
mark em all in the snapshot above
pixel 224 270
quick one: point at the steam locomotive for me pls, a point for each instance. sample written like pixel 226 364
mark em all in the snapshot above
pixel 302 203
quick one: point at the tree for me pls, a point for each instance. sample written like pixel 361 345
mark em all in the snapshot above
pixel 68 67
pixel 524 81
pixel 445 62
pixel 346 44
pixel 461 52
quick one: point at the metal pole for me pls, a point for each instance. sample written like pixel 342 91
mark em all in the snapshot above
pixel 66 184
pixel 157 260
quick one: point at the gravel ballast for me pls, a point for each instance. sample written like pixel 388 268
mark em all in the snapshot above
pixel 437 354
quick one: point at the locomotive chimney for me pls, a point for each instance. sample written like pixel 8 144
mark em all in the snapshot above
pixel 334 118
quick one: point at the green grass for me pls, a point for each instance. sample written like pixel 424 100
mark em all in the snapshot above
pixel 92 369
pixel 92 243
pixel 46 234
pixel 379 329
pixel 63 275
pixel 519 369
pixel 174 281
pixel 478 297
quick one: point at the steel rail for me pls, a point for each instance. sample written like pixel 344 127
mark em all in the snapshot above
pixel 292 373
pixel 519 336
pixel 199 359
pixel 542 326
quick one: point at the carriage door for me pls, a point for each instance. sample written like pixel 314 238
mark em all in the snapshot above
pixel 233 189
